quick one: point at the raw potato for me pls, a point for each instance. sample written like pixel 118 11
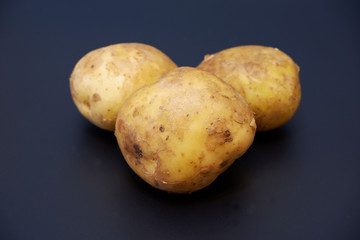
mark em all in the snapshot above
pixel 181 132
pixel 105 77
pixel 266 77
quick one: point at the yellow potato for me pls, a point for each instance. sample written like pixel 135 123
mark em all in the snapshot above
pixel 181 132
pixel 105 77
pixel 266 77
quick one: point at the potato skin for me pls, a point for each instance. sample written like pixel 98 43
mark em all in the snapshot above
pixel 181 132
pixel 105 77
pixel 266 77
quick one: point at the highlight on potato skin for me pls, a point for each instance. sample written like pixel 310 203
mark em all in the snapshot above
pixel 105 77
pixel 181 132
pixel 266 77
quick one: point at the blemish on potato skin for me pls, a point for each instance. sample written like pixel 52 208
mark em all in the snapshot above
pixel 167 138
pixel 162 129
pixel 201 157
pixel 135 113
pixel 87 104
pixel 223 163
pixel 227 136
pixel 205 170
pixel 239 121
pixel 138 151
pixel 156 183
pixel 120 125
pixel 131 146
pixel 218 134
pixel 96 97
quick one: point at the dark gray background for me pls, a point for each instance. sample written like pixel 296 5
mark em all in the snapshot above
pixel 62 178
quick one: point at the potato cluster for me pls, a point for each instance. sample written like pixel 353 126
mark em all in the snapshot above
pixel 179 128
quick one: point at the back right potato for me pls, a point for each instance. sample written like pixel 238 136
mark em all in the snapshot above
pixel 266 77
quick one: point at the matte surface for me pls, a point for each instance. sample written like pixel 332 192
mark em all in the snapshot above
pixel 62 178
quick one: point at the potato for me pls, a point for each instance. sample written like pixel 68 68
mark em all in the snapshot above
pixel 266 77
pixel 105 77
pixel 181 132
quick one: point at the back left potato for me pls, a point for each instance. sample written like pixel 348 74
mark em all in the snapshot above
pixel 105 77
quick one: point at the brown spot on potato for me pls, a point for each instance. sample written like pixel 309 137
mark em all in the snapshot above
pixel 156 183
pixel 223 163
pixel 120 125
pixel 96 97
pixel 239 121
pixel 167 138
pixel 162 129
pixel 205 170
pixel 218 134
pixel 201 157
pixel 255 69
pixel 227 136
pixel 87 104
pixel 132 147
pixel 138 151
pixel 92 65
pixel 135 112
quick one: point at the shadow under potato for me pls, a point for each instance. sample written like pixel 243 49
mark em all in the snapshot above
pixel 272 137
pixel 233 181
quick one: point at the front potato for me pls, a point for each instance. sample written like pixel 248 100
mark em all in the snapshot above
pixel 105 77
pixel 181 132
pixel 266 77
